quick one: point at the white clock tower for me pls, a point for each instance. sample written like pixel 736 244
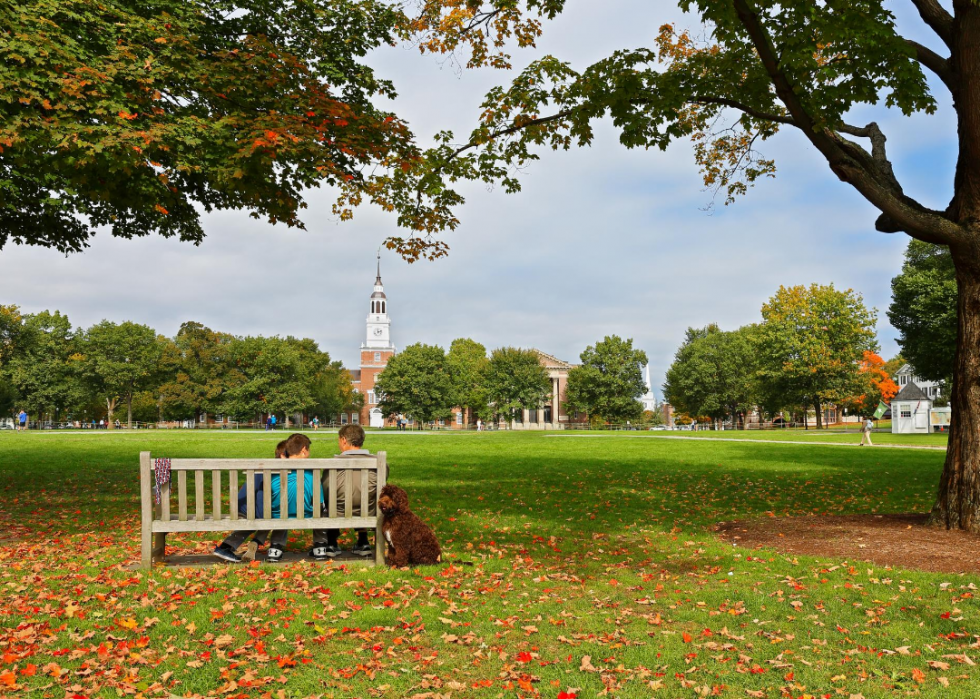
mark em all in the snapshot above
pixel 378 322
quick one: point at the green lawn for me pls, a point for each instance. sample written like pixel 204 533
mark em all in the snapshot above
pixel 595 569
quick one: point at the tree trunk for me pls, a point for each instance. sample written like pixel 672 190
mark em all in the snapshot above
pixel 816 408
pixel 129 411
pixel 110 405
pixel 958 502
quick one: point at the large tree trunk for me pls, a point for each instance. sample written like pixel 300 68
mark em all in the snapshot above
pixel 958 503
pixel 816 409
pixel 129 411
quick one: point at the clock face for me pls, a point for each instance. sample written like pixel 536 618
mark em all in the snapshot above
pixel 377 331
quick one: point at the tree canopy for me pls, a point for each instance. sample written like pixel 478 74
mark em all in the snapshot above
pixel 416 382
pixel 515 380
pixel 139 115
pixel 609 382
pixel 923 310
pixel 812 342
pixel 714 373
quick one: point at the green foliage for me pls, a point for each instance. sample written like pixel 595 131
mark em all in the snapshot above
pixel 720 93
pixel 609 381
pixel 333 392
pixel 119 360
pixel 270 375
pixel 138 115
pixel 199 362
pixel 417 382
pixel 515 380
pixel 714 373
pixel 43 368
pixel 924 310
pixel 811 344
pixel 467 362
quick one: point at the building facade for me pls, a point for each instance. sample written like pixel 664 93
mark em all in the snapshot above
pixel 905 376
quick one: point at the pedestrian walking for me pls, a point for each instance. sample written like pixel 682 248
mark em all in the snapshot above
pixel 866 432
pixel 22 421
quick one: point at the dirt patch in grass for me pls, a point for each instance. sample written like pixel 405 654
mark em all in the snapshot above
pixel 895 540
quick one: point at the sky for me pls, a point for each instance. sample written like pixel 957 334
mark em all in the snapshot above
pixel 601 240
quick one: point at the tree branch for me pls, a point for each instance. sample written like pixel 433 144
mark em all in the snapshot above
pixel 844 157
pixel 779 118
pixel 936 63
pixel 936 16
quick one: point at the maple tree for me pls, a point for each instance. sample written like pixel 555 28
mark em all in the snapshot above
pixel 515 381
pixel 811 344
pixel 416 382
pixel 609 381
pixel 756 68
pixel 878 385
pixel 138 115
pixel 714 373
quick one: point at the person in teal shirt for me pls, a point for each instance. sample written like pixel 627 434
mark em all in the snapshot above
pixel 297 447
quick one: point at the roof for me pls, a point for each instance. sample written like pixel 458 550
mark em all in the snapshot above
pixel 911 392
pixel 551 361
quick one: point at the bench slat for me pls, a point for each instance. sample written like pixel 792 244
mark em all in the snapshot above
pixel 348 493
pixel 165 501
pixel 267 493
pixel 355 462
pixel 283 494
pixel 182 495
pixel 199 495
pixel 332 494
pixel 233 493
pixel 216 494
pixel 365 496
pixel 317 475
pixel 226 524
pixel 300 493
pixel 250 494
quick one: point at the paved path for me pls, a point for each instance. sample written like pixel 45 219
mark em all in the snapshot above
pixel 753 441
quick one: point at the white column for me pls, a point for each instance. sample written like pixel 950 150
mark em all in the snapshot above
pixel 555 409
pixel 525 418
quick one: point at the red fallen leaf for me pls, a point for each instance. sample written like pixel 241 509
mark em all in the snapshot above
pixel 945 615
pixel 523 657
pixel 567 695
pixel 918 675
pixel 687 637
pixel 29 671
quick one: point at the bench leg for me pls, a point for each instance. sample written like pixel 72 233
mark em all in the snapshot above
pixel 379 543
pixel 146 557
pixel 159 546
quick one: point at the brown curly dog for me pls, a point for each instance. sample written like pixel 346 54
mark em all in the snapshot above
pixel 410 541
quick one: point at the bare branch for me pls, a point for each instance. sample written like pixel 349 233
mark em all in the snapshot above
pixel 936 63
pixel 936 16
pixel 843 156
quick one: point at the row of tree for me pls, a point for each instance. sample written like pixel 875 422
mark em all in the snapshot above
pixel 428 383
pixel 815 346
pixel 59 373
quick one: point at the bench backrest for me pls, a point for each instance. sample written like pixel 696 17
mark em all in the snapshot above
pixel 224 477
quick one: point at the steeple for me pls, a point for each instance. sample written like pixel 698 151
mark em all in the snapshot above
pixel 378 322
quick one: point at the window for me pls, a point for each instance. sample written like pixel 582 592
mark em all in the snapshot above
pixel 382 306
pixel 343 418
pixel 906 412
pixel 459 418
pixel 377 356
pixel 354 417
pixel 371 398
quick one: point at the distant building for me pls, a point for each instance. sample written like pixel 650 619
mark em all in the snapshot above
pixel 910 410
pixel 649 400
pixel 376 350
pixel 905 376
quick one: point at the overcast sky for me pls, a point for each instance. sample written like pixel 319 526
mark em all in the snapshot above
pixel 601 241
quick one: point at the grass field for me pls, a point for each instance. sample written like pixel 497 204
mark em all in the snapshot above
pixel 596 571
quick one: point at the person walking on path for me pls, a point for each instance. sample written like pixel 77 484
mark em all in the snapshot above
pixel 22 420
pixel 866 432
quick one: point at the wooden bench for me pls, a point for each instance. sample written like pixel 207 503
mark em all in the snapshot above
pixel 220 513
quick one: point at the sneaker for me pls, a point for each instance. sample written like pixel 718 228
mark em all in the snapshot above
pixel 251 548
pixel 363 550
pixel 226 553
pixel 274 554
pixel 321 552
